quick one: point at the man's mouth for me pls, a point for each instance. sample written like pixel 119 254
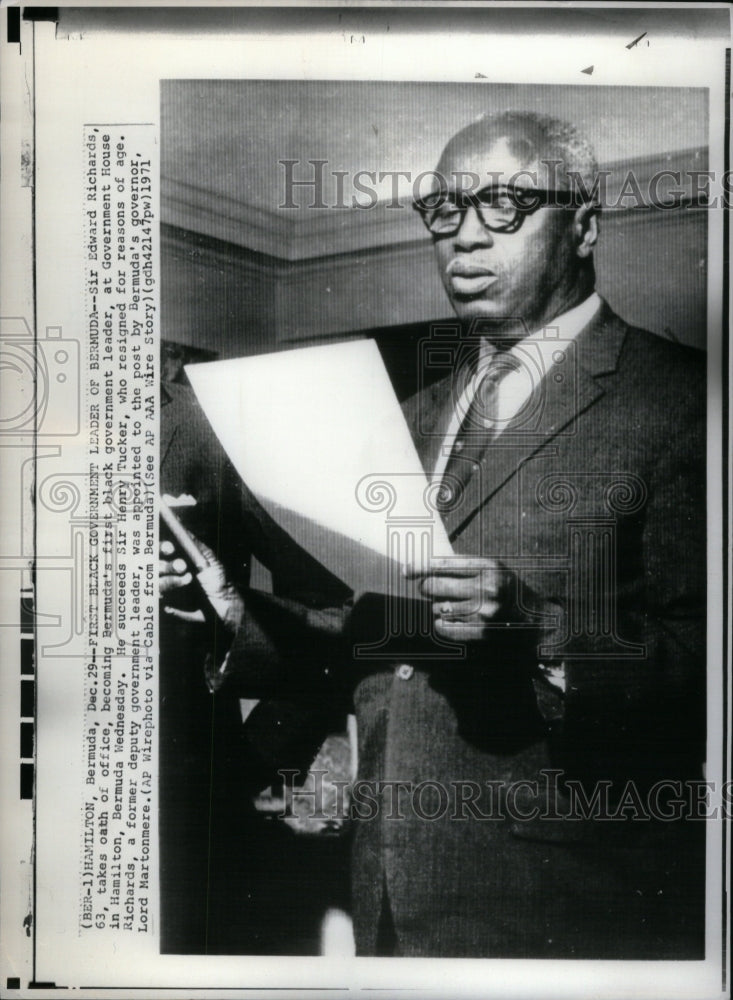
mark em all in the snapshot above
pixel 470 279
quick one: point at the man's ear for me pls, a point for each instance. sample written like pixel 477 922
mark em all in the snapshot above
pixel 585 230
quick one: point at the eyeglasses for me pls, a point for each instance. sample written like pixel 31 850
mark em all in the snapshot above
pixel 500 209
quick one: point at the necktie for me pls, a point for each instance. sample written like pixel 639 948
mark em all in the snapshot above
pixel 479 425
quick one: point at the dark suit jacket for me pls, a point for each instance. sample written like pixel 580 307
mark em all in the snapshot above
pixel 598 506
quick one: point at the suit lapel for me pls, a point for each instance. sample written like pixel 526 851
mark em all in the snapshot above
pixel 428 414
pixel 552 408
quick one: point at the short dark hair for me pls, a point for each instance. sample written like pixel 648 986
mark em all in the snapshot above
pixel 536 137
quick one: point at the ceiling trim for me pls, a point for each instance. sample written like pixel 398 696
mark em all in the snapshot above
pixel 300 235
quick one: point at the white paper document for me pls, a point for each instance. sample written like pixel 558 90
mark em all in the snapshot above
pixel 318 435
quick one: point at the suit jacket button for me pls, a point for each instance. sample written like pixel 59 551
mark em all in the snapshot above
pixel 405 671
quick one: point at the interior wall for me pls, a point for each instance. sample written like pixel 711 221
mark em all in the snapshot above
pixel 651 267
pixel 214 295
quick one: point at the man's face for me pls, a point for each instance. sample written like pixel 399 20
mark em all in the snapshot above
pixel 526 275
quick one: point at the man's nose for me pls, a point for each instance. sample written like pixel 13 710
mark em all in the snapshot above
pixel 472 232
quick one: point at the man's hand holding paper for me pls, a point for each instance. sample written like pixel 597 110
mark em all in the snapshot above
pixel 469 596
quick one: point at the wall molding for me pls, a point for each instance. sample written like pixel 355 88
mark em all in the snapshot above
pixel 293 235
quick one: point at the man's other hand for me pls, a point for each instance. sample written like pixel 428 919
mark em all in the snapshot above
pixel 468 593
pixel 173 573
pixel 221 596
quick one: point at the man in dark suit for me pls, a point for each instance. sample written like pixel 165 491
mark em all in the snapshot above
pixel 570 449
pixel 530 791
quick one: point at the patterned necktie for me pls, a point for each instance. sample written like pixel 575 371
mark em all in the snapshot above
pixel 479 425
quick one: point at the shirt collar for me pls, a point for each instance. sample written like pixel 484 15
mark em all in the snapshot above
pixel 564 327
pixel 569 324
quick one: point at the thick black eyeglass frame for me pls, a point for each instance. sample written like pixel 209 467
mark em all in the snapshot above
pixel 526 201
